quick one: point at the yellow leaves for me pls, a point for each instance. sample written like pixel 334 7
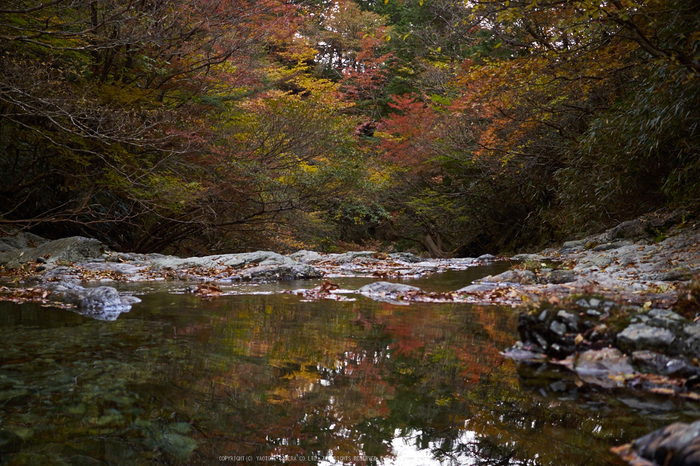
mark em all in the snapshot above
pixel 305 167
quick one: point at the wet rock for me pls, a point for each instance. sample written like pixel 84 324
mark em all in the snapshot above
pixel 648 405
pixel 607 367
pixel 102 303
pixel 525 353
pixel 387 288
pixel 675 445
pixel 650 361
pixel 643 336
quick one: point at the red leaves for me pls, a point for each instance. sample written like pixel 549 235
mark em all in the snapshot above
pixel 409 131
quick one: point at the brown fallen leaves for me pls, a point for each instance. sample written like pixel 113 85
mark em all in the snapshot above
pixel 207 290
pixel 325 290
pixel 29 295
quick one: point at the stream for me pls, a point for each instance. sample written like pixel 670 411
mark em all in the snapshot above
pixel 256 376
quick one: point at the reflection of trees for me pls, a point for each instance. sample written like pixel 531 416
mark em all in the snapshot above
pixel 345 381
pixel 312 380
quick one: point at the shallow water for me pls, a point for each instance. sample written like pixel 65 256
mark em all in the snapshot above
pixel 268 379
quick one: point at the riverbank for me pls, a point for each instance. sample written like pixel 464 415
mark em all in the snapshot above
pixel 619 310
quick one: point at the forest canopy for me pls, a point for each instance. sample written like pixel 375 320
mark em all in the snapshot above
pixel 450 127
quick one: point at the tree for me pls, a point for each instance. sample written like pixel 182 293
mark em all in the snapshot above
pixel 102 109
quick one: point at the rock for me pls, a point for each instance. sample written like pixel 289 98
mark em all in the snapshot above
pixel 20 240
pixel 557 277
pixel 692 330
pixel 571 320
pixel 677 444
pixel 606 367
pixel 524 277
pixel 576 244
pixel 479 288
pixel 633 229
pixel 529 258
pixel 647 405
pixel 676 274
pixel 601 262
pixel 558 328
pixel 486 258
pixel 668 219
pixel 306 257
pixel 609 246
pixel 280 272
pixel 350 256
pixel 72 249
pixel 650 361
pixel 691 345
pixel 387 288
pixel 664 318
pixel 102 303
pixel 223 260
pixel 405 257
pixel 643 336
pixel 524 353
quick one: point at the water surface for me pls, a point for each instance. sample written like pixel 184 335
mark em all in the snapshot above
pixel 268 379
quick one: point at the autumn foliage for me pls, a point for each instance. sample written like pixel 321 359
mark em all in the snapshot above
pixel 453 127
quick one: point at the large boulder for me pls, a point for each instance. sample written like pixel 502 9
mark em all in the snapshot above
pixel 20 240
pixel 71 249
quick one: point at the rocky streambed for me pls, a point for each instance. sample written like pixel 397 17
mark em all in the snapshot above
pixel 615 311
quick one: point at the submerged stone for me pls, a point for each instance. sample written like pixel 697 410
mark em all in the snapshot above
pixel 606 367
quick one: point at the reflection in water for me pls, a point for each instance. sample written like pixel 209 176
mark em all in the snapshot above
pixel 267 379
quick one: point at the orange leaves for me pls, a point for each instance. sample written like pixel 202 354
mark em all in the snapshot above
pixel 408 132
